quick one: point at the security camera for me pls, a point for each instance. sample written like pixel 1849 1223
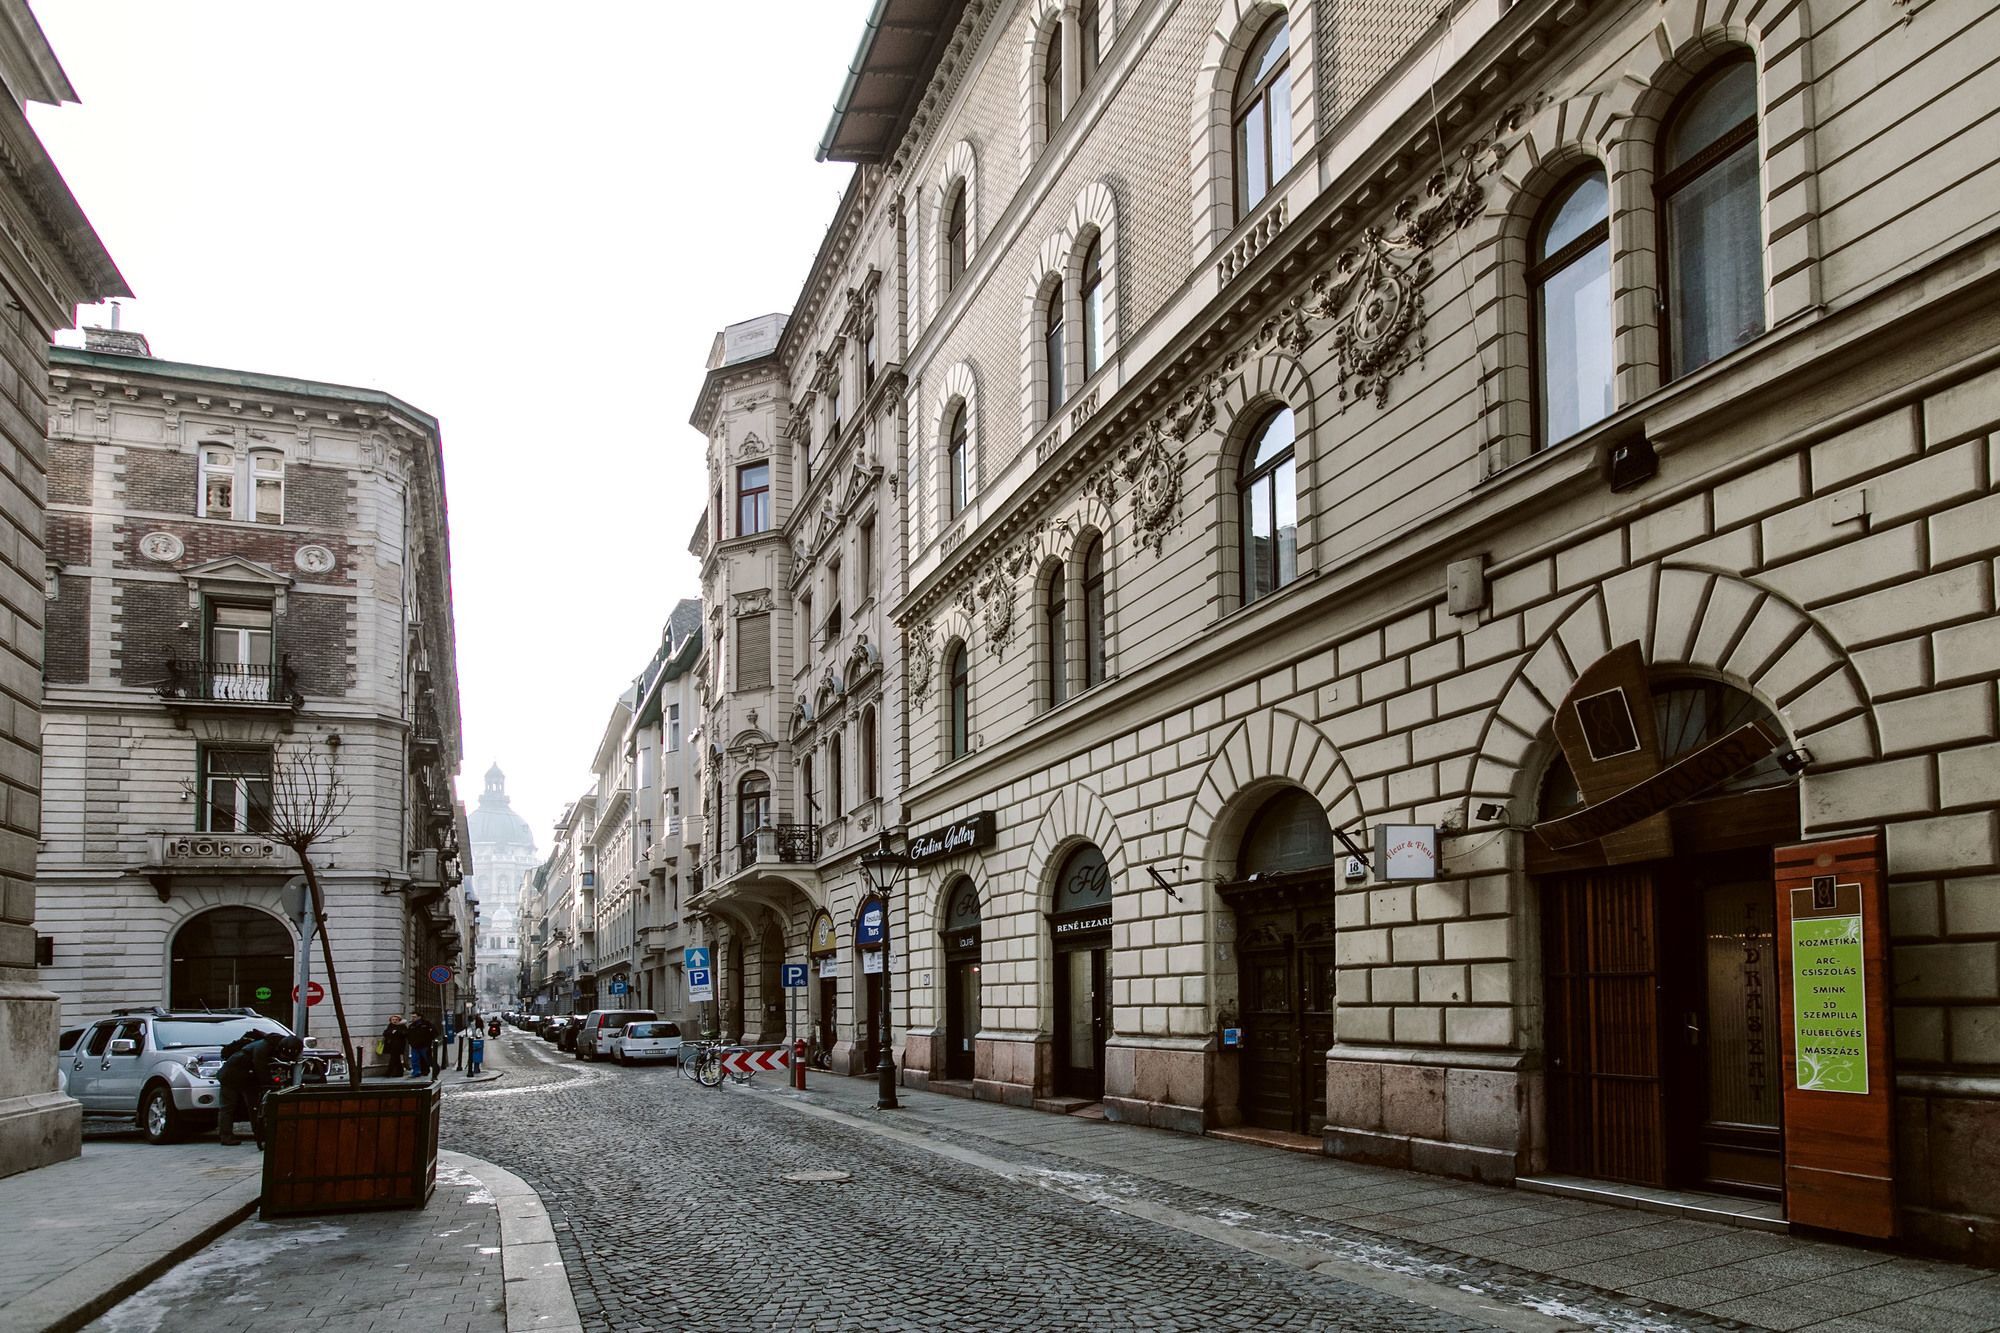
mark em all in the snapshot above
pixel 1490 811
pixel 1794 761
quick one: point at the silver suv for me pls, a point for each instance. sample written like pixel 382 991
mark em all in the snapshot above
pixel 160 1068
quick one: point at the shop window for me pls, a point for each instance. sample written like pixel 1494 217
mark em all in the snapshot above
pixel 958 702
pixel 1571 279
pixel 1093 307
pixel 1268 491
pixel 1262 116
pixel 1712 219
pixel 1055 634
pixel 236 790
pixel 1093 613
pixel 753 499
pixel 1289 832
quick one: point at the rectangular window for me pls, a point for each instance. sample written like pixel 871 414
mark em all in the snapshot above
pixel 753 499
pixel 833 412
pixel 673 727
pixel 835 786
pixel 868 358
pixel 218 484
pixel 239 644
pixel 267 473
pixel 835 625
pixel 753 652
pixel 864 575
pixel 236 791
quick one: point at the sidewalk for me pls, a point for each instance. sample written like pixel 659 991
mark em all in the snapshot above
pixel 1766 1280
pixel 136 1238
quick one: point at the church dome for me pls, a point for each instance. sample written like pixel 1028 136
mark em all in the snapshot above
pixel 494 823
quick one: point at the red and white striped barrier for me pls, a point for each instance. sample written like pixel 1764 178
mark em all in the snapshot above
pixel 755 1062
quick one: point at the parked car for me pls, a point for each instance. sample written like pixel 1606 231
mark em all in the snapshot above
pixel 549 1027
pixel 160 1067
pixel 643 1041
pixel 566 1036
pixel 589 1042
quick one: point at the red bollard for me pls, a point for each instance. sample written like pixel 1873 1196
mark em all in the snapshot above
pixel 799 1064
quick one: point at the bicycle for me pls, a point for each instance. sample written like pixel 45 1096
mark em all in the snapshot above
pixel 701 1060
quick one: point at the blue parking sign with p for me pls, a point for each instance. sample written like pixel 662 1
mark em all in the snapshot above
pixel 794 975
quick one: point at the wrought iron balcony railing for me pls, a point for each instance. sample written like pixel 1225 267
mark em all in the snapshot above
pixel 793 844
pixel 233 683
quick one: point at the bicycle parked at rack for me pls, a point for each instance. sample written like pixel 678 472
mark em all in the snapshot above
pixel 701 1060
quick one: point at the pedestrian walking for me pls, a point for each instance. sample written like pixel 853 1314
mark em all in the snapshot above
pixel 391 1045
pixel 423 1043
pixel 475 1053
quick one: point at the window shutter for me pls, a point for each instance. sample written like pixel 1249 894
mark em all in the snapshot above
pixel 753 652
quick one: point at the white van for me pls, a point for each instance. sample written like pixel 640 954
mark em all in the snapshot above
pixel 643 1039
pixel 597 1025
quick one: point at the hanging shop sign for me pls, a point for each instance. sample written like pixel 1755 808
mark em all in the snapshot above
pixel 1606 727
pixel 974 833
pixel 1839 1095
pixel 824 938
pixel 871 927
pixel 1406 851
pixel 829 967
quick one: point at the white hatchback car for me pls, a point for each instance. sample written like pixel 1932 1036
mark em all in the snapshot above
pixel 645 1040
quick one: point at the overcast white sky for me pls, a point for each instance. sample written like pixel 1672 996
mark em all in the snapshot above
pixel 526 219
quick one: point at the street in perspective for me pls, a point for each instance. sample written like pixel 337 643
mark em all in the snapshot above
pixel 962 664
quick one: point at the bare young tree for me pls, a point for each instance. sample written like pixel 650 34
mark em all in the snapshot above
pixel 308 799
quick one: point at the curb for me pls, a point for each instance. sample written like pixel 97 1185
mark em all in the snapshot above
pixel 535 1281
pixel 63 1308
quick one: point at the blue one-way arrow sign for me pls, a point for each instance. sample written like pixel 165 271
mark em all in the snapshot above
pixel 694 956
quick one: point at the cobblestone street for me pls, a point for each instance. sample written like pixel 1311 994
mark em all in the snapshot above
pixel 672 1207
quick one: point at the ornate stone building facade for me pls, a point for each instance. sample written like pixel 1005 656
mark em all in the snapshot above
pixel 660 744
pixel 1295 402
pixel 503 856
pixel 50 262
pixel 248 579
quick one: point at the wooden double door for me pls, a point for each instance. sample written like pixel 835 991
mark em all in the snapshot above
pixel 1285 972
pixel 1664 1047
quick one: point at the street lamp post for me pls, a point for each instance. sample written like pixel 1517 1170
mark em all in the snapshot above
pixel 884 869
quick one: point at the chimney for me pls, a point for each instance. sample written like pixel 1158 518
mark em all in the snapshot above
pixel 118 342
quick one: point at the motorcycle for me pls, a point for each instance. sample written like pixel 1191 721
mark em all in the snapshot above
pixel 493 1028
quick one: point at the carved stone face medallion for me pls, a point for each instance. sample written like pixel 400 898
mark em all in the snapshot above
pixel 313 560
pixel 163 547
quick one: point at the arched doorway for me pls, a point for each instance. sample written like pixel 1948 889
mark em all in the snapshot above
pixel 1080 927
pixel 1283 896
pixel 871 927
pixel 1664 1052
pixel 961 977
pixel 233 958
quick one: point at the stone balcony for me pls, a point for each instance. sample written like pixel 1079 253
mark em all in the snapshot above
pixel 171 856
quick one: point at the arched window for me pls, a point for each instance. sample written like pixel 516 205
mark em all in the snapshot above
pixel 1093 307
pixel 1289 832
pixel 958 702
pixel 1052 77
pixel 1093 613
pixel 1270 519
pixel 753 805
pixel 1052 348
pixel 836 788
pixel 956 457
pixel 871 785
pixel 1262 116
pixel 954 238
pixel 1086 36
pixel 1056 654
pixel 1571 277
pixel 1711 219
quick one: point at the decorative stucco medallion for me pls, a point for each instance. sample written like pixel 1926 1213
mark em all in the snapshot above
pixel 313 559
pixel 162 546
pixel 920 664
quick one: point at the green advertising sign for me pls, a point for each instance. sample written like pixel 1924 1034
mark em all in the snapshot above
pixel 263 992
pixel 1829 1004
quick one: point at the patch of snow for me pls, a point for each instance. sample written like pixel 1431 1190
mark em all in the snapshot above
pixel 234 1260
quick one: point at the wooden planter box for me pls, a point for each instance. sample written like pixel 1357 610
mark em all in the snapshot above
pixel 342 1150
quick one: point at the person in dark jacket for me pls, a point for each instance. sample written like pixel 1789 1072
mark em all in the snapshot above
pixel 423 1038
pixel 395 1041
pixel 237 1078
